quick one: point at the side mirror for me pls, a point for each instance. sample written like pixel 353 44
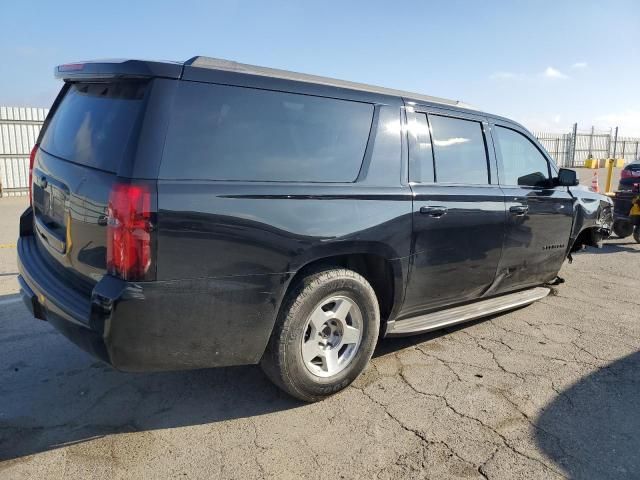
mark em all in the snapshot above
pixel 567 178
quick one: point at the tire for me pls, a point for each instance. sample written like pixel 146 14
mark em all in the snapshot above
pixel 622 228
pixel 636 234
pixel 319 316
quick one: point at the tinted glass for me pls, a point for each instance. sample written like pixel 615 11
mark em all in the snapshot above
pixel 386 157
pixel 420 153
pixel 522 162
pixel 94 123
pixel 232 133
pixel 459 152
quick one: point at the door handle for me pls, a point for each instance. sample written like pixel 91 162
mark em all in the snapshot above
pixel 435 211
pixel 519 210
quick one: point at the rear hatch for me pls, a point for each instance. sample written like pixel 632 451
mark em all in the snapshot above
pixel 88 141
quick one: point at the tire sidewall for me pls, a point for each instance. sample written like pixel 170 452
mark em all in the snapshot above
pixel 305 382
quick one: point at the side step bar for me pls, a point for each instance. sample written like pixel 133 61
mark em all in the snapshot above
pixel 464 313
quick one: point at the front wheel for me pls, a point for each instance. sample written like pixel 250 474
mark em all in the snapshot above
pixel 324 336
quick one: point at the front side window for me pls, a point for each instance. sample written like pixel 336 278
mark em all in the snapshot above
pixel 522 162
pixel 459 151
pixel 222 132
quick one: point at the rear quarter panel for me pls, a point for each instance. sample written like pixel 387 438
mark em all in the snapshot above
pixel 227 251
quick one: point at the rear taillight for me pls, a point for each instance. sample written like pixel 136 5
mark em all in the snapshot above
pixel 32 157
pixel 625 173
pixel 129 229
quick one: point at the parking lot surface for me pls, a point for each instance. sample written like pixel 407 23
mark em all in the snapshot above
pixel 551 390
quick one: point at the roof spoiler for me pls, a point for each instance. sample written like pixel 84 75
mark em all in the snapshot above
pixel 112 69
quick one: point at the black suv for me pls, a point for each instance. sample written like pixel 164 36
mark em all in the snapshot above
pixel 209 213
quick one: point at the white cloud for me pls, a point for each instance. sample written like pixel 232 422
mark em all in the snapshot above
pixel 628 122
pixel 551 72
pixel 580 65
pixel 504 76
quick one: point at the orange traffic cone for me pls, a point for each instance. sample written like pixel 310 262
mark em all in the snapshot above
pixel 595 186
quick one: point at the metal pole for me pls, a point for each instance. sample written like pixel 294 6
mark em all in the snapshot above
pixel 590 143
pixel 615 142
pixel 573 146
pixel 637 143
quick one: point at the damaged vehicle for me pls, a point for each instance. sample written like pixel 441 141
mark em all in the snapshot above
pixel 210 213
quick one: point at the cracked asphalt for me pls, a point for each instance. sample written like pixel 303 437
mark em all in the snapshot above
pixel 551 390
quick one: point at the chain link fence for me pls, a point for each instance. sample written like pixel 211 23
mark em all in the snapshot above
pixel 574 148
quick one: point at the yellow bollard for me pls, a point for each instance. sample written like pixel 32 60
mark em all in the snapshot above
pixel 591 163
pixel 610 163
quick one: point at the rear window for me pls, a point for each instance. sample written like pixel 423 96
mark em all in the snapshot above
pixel 94 123
pixel 233 133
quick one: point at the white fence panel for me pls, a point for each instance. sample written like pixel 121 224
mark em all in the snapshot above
pixel 19 129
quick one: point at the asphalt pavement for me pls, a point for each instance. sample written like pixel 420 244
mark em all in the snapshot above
pixel 551 390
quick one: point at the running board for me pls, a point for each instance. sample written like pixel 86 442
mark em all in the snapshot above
pixel 465 313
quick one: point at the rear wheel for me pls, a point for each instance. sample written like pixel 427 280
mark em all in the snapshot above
pixel 636 233
pixel 622 228
pixel 324 336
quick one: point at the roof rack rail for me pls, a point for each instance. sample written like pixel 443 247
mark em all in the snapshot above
pixel 231 66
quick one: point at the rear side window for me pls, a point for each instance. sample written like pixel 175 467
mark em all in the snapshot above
pixel 459 151
pixel 522 162
pixel 95 123
pixel 232 133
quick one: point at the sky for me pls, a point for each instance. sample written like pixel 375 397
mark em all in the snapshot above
pixel 544 63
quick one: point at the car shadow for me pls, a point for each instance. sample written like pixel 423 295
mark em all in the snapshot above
pixel 394 344
pixel 80 403
pixel 592 430
pixel 610 248
pixel 53 394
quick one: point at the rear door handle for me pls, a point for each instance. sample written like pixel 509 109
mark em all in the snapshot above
pixel 435 211
pixel 519 210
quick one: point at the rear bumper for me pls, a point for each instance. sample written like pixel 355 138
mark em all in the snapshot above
pixel 630 184
pixel 48 298
pixel 153 326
